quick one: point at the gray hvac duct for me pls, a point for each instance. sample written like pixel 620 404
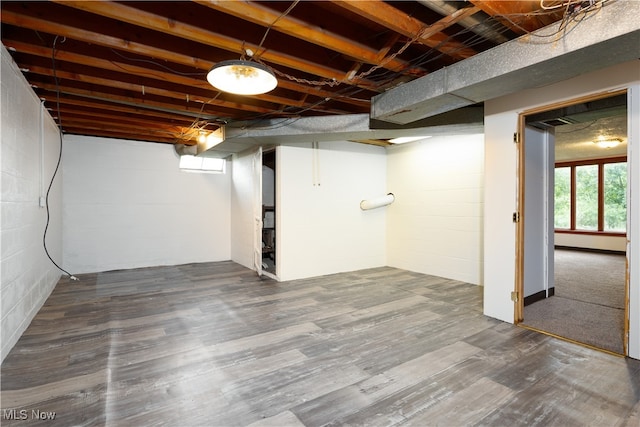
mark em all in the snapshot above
pixel 552 54
pixel 183 149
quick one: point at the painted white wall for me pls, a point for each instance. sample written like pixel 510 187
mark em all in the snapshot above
pixel 536 226
pixel 435 224
pixel 501 121
pixel 606 243
pixel 29 153
pixel 128 205
pixel 320 227
pixel 500 189
pixel 242 215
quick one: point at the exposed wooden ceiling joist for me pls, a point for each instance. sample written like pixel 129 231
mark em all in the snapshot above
pixel 142 64
pixel 139 71
pixel 410 27
pixel 166 25
pixel 519 16
pixel 259 14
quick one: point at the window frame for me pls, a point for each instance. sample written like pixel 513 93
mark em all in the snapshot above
pixel 198 164
pixel 600 162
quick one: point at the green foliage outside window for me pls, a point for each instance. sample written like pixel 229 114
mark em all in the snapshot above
pixel 615 197
pixel 562 190
pixel 586 198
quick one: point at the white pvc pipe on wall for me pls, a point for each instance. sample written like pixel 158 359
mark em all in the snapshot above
pixel 377 202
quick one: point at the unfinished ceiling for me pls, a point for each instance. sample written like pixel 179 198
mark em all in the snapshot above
pixel 578 127
pixel 137 70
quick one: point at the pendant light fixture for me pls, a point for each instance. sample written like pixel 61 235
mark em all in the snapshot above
pixel 242 77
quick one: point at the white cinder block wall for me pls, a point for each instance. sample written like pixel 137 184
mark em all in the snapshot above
pixel 128 205
pixel 435 224
pixel 30 139
pixel 321 227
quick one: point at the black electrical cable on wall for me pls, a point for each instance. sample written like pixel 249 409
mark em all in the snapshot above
pixel 55 172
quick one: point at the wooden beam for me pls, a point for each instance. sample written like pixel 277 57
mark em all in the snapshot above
pixel 109 106
pixel 262 15
pixel 90 123
pixel 46 26
pixel 156 74
pixel 131 101
pixel 433 29
pixel 396 20
pixel 114 134
pixel 518 16
pixel 141 18
pixel 105 117
pixel 143 90
pixel 187 135
pixel 160 76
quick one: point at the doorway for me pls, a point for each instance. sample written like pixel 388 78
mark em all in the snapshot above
pixel 572 263
pixel 269 211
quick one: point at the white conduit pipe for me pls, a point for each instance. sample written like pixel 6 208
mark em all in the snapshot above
pixel 378 202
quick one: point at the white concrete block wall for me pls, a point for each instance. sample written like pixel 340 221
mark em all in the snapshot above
pixel 128 205
pixel 321 229
pixel 435 224
pixel 26 274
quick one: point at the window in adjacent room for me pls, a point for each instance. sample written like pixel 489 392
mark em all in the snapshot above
pixel 615 197
pixel 591 195
pixel 562 204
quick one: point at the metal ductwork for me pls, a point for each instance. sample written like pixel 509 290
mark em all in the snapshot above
pixel 581 112
pixel 552 54
pixel 345 127
pixel 183 149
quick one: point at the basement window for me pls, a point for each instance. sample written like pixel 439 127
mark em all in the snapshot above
pixel 190 163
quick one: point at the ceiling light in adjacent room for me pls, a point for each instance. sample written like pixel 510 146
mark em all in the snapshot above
pixel 242 77
pixel 604 142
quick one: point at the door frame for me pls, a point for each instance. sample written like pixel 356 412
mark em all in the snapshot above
pixel 518 295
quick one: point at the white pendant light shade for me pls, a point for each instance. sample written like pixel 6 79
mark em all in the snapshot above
pixel 242 77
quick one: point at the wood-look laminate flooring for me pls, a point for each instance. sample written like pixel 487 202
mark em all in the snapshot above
pixel 214 345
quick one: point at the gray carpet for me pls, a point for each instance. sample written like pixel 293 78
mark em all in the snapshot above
pixel 588 305
pixel 591 277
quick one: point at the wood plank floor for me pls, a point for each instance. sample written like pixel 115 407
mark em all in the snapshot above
pixel 214 345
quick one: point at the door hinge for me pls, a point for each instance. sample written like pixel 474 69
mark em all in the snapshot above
pixel 516 137
pixel 514 296
pixel 516 217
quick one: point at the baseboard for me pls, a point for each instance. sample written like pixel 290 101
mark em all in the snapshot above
pixel 539 296
pixel 599 251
